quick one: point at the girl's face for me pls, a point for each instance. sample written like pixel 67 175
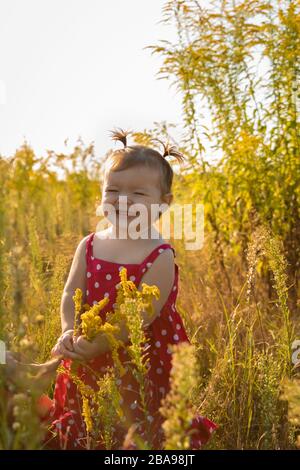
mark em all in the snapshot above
pixel 141 186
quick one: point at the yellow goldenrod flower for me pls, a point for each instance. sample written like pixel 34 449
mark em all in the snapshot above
pixel 86 412
pixel 110 330
pixel 101 407
pixel 177 407
pixel 91 321
pixel 129 287
pixel 90 325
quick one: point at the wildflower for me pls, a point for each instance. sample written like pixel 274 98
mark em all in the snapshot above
pixel 148 292
pixel 91 321
pixel 90 325
pixel 176 406
pixel 86 412
pixel 86 392
pixel 129 287
pixel 110 331
pixel 102 407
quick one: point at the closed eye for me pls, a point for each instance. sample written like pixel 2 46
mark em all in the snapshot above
pixel 142 194
pixel 112 190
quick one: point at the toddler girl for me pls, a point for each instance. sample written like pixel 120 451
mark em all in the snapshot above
pixel 135 177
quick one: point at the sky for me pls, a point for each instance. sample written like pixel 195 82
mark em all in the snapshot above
pixel 77 68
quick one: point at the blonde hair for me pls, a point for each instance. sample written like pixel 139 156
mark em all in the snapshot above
pixel 141 155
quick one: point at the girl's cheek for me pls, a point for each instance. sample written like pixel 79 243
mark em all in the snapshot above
pixel 105 199
pixel 108 200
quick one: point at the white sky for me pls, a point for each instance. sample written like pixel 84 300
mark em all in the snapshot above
pixel 71 68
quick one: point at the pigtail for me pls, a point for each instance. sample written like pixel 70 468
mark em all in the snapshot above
pixel 120 134
pixel 169 149
pixel 137 155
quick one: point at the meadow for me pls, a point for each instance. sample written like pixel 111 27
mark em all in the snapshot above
pixel 239 294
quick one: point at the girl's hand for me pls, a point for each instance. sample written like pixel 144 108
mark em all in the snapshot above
pixel 64 347
pixel 67 339
pixel 87 349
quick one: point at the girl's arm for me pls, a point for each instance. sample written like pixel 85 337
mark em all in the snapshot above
pixel 161 274
pixel 76 279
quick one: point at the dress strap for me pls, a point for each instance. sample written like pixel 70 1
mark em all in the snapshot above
pixel 154 254
pixel 89 247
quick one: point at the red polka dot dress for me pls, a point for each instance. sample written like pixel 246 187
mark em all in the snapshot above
pixel 67 427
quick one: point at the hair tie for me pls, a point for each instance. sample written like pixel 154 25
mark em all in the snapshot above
pixel 120 134
pixel 168 149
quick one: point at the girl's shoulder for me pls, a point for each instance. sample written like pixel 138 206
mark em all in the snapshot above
pixel 159 247
pixel 102 234
pixel 148 253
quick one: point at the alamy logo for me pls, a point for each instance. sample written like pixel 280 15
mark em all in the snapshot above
pixel 183 222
